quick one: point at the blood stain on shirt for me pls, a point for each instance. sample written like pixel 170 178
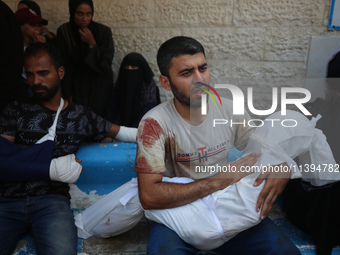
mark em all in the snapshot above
pixel 151 132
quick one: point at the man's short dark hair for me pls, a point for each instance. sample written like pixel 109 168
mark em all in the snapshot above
pixel 174 47
pixel 50 49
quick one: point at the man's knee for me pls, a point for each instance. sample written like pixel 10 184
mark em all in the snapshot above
pixel 278 243
pixel 264 238
pixel 283 248
pixel 53 227
pixel 164 241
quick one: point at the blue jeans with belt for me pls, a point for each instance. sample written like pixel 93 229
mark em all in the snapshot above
pixel 49 218
pixel 264 238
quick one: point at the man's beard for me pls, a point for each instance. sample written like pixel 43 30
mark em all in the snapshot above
pixel 50 92
pixel 182 98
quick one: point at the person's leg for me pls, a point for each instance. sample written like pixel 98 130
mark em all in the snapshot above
pixel 297 202
pixel 53 226
pixel 264 238
pixel 164 241
pixel 13 224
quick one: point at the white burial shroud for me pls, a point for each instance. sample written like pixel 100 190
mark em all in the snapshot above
pixel 209 222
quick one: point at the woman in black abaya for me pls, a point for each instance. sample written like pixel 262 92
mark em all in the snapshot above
pixel 88 51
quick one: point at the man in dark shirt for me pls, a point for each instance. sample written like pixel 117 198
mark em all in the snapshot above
pixel 43 206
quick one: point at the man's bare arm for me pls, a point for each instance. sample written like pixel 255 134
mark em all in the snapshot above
pixel 113 131
pixel 9 138
pixel 155 194
pixel 126 134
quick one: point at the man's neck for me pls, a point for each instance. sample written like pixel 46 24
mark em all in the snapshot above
pixel 191 115
pixel 54 103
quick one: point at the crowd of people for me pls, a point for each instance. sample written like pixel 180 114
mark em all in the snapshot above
pixel 39 95
pixel 87 48
pixel 63 84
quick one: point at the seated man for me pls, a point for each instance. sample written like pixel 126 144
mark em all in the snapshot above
pixel 43 206
pixel 174 137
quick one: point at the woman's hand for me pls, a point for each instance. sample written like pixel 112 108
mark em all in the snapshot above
pixel 87 36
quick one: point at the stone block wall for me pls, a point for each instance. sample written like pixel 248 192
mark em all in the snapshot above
pixel 259 43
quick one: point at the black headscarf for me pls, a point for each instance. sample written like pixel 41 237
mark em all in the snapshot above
pixel 76 46
pixel 135 59
pixel 73 4
pixel 132 87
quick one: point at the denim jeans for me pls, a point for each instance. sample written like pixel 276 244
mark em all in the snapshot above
pixel 49 218
pixel 264 238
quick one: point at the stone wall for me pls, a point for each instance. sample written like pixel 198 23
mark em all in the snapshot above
pixel 259 43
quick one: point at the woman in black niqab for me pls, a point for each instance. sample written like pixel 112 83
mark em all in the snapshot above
pixel 136 91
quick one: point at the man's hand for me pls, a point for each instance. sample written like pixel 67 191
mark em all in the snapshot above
pixel 44 31
pixel 239 168
pixel 110 140
pixel 37 37
pixel 87 36
pixel 275 183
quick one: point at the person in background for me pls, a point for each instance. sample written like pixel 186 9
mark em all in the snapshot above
pixel 87 48
pixel 43 206
pixel 316 209
pixel 135 92
pixel 30 24
pixel 11 54
pixel 36 8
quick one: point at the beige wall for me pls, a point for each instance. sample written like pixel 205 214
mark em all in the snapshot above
pixel 248 42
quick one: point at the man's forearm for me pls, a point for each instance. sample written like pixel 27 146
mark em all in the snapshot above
pixel 164 195
pixel 126 134
pixel 155 194
pixel 9 138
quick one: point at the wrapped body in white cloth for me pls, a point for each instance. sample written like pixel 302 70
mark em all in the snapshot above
pixel 209 222
pixel 112 215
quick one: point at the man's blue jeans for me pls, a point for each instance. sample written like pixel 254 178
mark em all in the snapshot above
pixel 49 218
pixel 264 238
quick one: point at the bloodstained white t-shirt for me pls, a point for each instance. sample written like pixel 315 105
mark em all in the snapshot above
pixel 167 144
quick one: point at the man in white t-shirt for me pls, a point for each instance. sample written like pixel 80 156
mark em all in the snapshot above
pixel 176 139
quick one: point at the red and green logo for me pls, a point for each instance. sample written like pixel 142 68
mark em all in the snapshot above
pixel 209 93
